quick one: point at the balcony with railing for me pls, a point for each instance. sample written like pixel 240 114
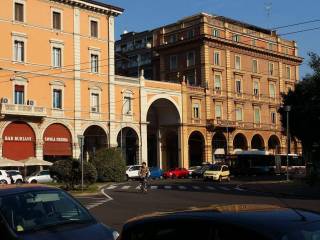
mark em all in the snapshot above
pixel 22 110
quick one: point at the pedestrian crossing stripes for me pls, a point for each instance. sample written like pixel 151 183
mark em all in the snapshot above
pixel 178 187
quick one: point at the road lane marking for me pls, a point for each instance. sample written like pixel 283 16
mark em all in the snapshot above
pixel 182 187
pixel 167 187
pixel 125 187
pixel 111 187
pixel 153 187
pixel 239 189
pixel 211 188
pixel 196 187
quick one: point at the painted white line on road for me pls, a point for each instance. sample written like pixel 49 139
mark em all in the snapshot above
pixel 182 187
pixel 196 187
pixel 240 189
pixel 224 188
pixel 153 187
pixel 106 195
pixel 167 187
pixel 125 187
pixel 211 188
pixel 111 187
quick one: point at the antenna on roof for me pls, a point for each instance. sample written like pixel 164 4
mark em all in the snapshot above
pixel 268 8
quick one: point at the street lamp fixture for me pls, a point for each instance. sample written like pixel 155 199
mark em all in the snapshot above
pixel 287 109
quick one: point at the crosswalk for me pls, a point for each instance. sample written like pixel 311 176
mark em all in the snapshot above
pixel 92 202
pixel 177 187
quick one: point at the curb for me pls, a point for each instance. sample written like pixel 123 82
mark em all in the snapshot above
pixel 241 186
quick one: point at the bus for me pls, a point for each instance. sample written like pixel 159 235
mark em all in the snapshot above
pixel 257 162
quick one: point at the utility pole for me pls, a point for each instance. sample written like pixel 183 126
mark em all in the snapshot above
pixel 287 109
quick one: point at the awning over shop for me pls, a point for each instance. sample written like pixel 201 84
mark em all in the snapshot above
pixel 57 141
pixel 219 151
pixel 36 162
pixel 18 141
pixel 10 163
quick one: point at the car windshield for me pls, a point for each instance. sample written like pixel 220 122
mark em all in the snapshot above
pixel 34 174
pixel 215 168
pixel 36 210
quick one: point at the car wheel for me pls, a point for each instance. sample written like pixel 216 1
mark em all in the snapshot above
pixel 19 181
pixel 3 182
pixel 34 181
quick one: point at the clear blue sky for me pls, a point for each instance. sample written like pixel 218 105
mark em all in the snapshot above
pixel 141 15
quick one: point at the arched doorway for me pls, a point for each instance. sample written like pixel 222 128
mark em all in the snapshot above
pixel 240 142
pixel 274 144
pixel 130 145
pixel 257 142
pixel 57 142
pixel 19 141
pixel 95 138
pixel 162 132
pixel 219 146
pixel 196 148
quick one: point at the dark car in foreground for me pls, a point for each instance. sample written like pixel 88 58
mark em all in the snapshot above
pixel 35 212
pixel 228 222
pixel 198 173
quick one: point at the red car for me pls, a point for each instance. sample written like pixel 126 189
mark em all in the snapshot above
pixel 176 173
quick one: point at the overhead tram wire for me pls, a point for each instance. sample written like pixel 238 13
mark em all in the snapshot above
pixel 296 24
pixel 300 31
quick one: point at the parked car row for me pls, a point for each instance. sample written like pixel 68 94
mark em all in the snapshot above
pixel 14 176
pixel 217 172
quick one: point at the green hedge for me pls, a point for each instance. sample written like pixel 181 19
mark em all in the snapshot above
pixel 68 172
pixel 110 165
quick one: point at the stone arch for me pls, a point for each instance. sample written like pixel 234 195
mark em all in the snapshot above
pixel 196 145
pixel 257 142
pixel 128 125
pixel 95 138
pixel 128 142
pixel 163 96
pixel 62 122
pixel 240 141
pixel 274 145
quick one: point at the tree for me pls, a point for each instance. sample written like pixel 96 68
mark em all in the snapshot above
pixel 305 111
pixel 110 165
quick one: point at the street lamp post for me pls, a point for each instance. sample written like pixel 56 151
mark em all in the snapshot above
pixel 81 143
pixel 287 109
pixel 125 101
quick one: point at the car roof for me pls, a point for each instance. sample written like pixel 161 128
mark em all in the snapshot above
pixel 257 217
pixel 21 188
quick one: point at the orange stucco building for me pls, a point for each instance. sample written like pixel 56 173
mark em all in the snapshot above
pixel 212 91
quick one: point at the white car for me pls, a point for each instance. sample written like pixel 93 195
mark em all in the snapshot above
pixel 4 178
pixel 132 171
pixel 16 176
pixel 40 177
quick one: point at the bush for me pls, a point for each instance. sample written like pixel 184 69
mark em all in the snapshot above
pixel 68 172
pixel 110 165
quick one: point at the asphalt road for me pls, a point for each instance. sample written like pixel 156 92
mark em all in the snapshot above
pixel 123 201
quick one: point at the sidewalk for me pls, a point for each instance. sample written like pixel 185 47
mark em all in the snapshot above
pixel 283 188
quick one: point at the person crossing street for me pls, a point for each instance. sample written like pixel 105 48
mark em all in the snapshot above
pixel 144 173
